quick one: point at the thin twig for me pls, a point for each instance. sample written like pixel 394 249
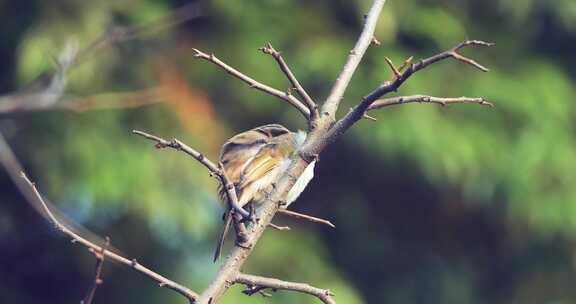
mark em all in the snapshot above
pixel 162 281
pixel 178 145
pixel 269 49
pixel 443 101
pixel 354 57
pixel 397 72
pixel 393 67
pixel 285 96
pixel 120 34
pixel 257 282
pixel 406 63
pixel 212 168
pixel 279 228
pixel 305 217
pixel 100 256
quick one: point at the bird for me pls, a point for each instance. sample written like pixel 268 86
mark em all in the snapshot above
pixel 253 160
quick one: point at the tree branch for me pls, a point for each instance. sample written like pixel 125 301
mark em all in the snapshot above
pixel 354 57
pixel 257 283
pixel 46 91
pixel 212 168
pixel 391 86
pixel 310 104
pixel 443 101
pixel 162 281
pixel 285 96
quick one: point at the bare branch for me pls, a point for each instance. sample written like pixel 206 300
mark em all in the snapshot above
pixel 46 91
pixel 212 168
pixel 390 86
pixel 354 57
pixel 443 101
pixel 100 256
pixel 178 145
pixel 279 228
pixel 312 107
pixel 119 34
pixel 124 100
pixel 162 281
pixel 454 53
pixel 258 283
pixel 305 217
pixel 285 96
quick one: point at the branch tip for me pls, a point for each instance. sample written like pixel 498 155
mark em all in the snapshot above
pixel 443 101
pixel 308 102
pixel 279 228
pixel 469 61
pixel 366 116
pixel 306 217
pixel 393 68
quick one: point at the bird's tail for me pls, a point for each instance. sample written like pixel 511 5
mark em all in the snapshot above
pixel 227 223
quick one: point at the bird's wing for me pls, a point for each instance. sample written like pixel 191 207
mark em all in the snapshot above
pixel 255 171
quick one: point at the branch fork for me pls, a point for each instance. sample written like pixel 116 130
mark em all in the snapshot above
pixel 252 83
pixel 212 168
pixel 310 104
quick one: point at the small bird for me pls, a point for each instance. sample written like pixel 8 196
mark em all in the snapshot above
pixel 253 160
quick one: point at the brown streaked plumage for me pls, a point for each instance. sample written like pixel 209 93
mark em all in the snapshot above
pixel 252 155
pixel 253 160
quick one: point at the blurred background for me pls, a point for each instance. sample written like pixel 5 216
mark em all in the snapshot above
pixel 457 204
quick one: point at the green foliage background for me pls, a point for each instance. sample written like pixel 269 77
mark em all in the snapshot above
pixel 458 204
